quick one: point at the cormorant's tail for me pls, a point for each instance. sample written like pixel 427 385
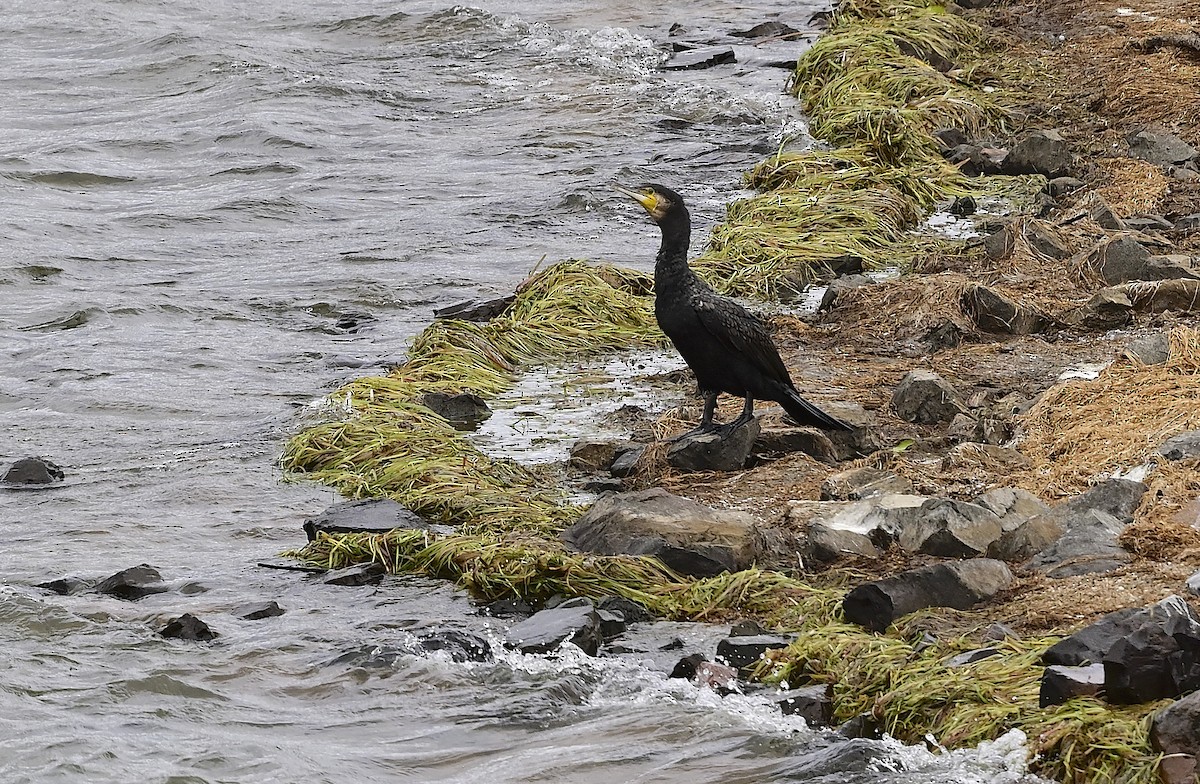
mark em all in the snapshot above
pixel 806 413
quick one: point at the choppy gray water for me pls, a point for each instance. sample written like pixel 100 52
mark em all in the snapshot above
pixel 213 214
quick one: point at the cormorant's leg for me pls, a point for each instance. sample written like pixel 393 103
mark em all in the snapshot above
pixel 710 408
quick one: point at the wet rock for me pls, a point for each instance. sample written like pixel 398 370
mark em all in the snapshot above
pixel 362 574
pixel 460 646
pixel 67 586
pixel 507 607
pixel 926 398
pixel 814 704
pixel 1120 259
pixel 745 652
pixel 949 138
pixel 970 657
pixel 722 450
pixel 32 471
pixel 625 464
pixel 1039 152
pixel 1093 519
pixel 257 611
pixel 768 30
pixel 837 762
pixel 133 583
pixel 864 725
pixel 951 529
pixel 703 57
pixel 375 516
pixel 629 610
pixel 1109 308
pixel 1160 148
pixel 599 485
pixel 1180 295
pixel 1060 683
pixel 959 584
pixel 863 482
pixel 721 678
pixel 993 312
pixel 1149 223
pixel 1181 447
pixel 592 455
pixel 1089 644
pixel 1061 186
pixel 973 159
pixel 369 657
pixel 999 245
pixel 476 310
pixel 1176 734
pixel 836 290
pixel 963 206
pixel 688 537
pixel 1012 505
pixel 1159 657
pixel 574 621
pixel 188 627
pixel 465 411
pixel 1045 240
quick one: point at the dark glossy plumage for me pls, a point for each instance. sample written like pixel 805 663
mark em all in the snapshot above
pixel 728 348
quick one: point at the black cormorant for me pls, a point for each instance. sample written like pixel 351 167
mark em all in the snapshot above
pixel 727 347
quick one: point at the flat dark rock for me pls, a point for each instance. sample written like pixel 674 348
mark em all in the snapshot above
pixel 575 621
pixel 374 516
pixel 464 411
pixel 814 704
pixel 742 652
pixel 696 59
pixel 1061 683
pixel 188 627
pixel 362 574
pixel 32 471
pixel 67 586
pixel 720 450
pixel 957 584
pixel 475 310
pixel 460 646
pixel 286 565
pixel 257 611
pixel 133 583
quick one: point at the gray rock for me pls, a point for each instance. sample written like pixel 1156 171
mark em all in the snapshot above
pixel 460 646
pixel 1188 223
pixel 1109 308
pixel 703 673
pixel 863 482
pixel 1193 584
pixel 926 398
pixel 814 704
pixel 32 471
pixel 593 455
pixel 703 57
pixel 1039 152
pixel 1045 240
pixel 745 652
pixel 880 519
pixel 1160 148
pixel 999 245
pixel 951 529
pixel 1152 349
pixel 353 576
pixel 1149 223
pixel 958 584
pixel 1181 447
pixel 1029 538
pixel 375 516
pixel 1171 267
pixel 257 611
pixel 188 627
pixel 975 159
pixel 1088 546
pixel 1175 733
pixel 1060 683
pixel 970 657
pixel 476 310
pixel 1181 295
pixel 720 450
pixel 67 586
pixel 1061 186
pixel 1103 215
pixel 625 464
pixel 1012 505
pixel 574 621
pixel 1120 259
pixel 1093 519
pixel 133 583
pixel 993 312
pixel 688 537
pixel 838 762
pixel 831 544
pixel 1089 644
pixel 464 411
pixel 837 289
pixel 1159 658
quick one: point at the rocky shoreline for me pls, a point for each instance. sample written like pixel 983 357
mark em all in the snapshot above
pixel 997 544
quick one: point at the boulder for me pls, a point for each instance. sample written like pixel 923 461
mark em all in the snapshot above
pixel 188 627
pixel 67 586
pixel 1181 295
pixel 1159 657
pixel 993 312
pixel 724 449
pixel 878 519
pixel 574 621
pixel 951 529
pixel 745 652
pixel 1089 545
pixel 1153 349
pixel 973 159
pixel 958 584
pixel 1109 308
pixel 1181 447
pixel 830 544
pixel 1149 223
pixel 688 537
pixel 1039 152
pixel 133 583
pixel 1045 240
pixel 1160 148
pixel 1174 266
pixel 1089 644
pixel 702 57
pixel 1193 584
pixel 465 411
pixel 360 574
pixel 374 516
pixel 458 645
pixel 257 611
pixel 1175 733
pixel 863 482
pixel 1000 244
pixel 814 704
pixel 508 607
pixel 476 310
pixel 1012 505
pixel 1120 259
pixel 628 610
pixel 926 398
pixel 625 464
pixel 1061 683
pixel 32 471
pixel 1103 215
pixel 593 455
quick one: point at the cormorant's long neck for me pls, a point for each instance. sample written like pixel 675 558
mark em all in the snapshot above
pixel 671 268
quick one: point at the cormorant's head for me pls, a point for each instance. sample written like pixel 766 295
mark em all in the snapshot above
pixel 658 200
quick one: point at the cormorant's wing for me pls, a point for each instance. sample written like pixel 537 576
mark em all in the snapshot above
pixel 739 331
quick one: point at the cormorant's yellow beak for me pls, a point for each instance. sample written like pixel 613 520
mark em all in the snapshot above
pixel 649 199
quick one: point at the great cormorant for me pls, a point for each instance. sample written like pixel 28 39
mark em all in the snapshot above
pixel 727 347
